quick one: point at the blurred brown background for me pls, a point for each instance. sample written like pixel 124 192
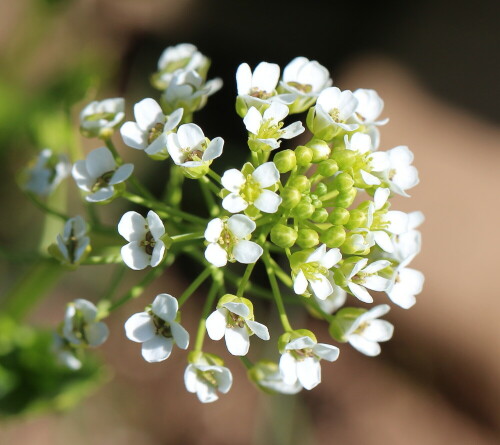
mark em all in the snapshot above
pixel 436 65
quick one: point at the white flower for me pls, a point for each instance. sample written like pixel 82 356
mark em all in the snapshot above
pixel 266 129
pixel 205 379
pixel 305 79
pixel 407 283
pixel 395 169
pixel 81 326
pixel 99 173
pixel 252 189
pixel 188 90
pixel 267 376
pixel 370 105
pixel 149 132
pixel 301 361
pixel 99 118
pixel 315 272
pixel 189 147
pixel 228 241
pixel 407 245
pixel 366 331
pixel 234 320
pixel 364 277
pixel 157 329
pixel 359 142
pixel 65 353
pixel 47 173
pixel 145 247
pixel 73 242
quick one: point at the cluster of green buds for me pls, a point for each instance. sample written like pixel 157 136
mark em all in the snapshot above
pixel 314 216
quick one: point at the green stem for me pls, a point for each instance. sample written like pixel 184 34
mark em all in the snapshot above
pixel 45 208
pixel 281 274
pixel 173 190
pixel 187 237
pixel 214 176
pixel 195 285
pixel 246 362
pixel 212 206
pixel 114 151
pixel 310 301
pixel 243 282
pixel 200 335
pixel 115 282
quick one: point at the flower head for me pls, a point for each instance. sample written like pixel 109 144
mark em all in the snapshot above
pixel 99 174
pixel 73 242
pixel 99 118
pixel 145 247
pixel 157 329
pixel 81 326
pixel 149 132
pixel 234 320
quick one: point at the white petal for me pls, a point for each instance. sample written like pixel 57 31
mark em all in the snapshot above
pixel 155 225
pixel 330 258
pixel 266 174
pixel 300 343
pixel 400 156
pixel 100 161
pixel 383 240
pixel 147 113
pixel 190 378
pixel 232 180
pixel 398 222
pixel 224 379
pixel 364 346
pixel 376 283
pixel 247 252
pixel 241 225
pixel 378 330
pixel 157 349
pixel 96 334
pixel 326 352
pixel 379 161
pixel 292 130
pixel 234 203
pixel 357 267
pixel 165 306
pixel 82 176
pixel 173 120
pixel 134 256
pixel 216 255
pixel 360 292
pixel 268 201
pixel 291 71
pixel 121 174
pixel 288 368
pixel 174 148
pixel 300 283
pixel 237 341
pixel 329 99
pixel 258 329
pixel 380 197
pixel 376 266
pixel 132 226
pixel 205 392
pixel 415 219
pixel 214 149
pixel 133 136
pixel 101 195
pixel 214 230
pixel 321 287
pixel 181 336
pixel 190 135
pixel 244 79
pixel 317 255
pixel 265 76
pixel 158 254
pixel 276 112
pixel 240 309
pixel 309 372
pixel 216 324
pixel 369 179
pixel 399 295
pixel 140 327
pixel 253 120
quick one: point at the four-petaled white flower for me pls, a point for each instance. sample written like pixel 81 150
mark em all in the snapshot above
pixel 315 272
pixel 370 105
pixel 234 321
pixel 81 326
pixel 266 128
pixel 205 379
pixel 157 329
pixel 364 277
pixel 99 118
pixel 252 189
pixel 149 132
pixel 73 242
pixel 407 245
pixel 228 241
pixel 145 247
pixel 407 283
pixel 301 361
pixel 99 173
pixel 366 331
pixel 266 374
pixel 47 173
pixel 190 148
pixel 394 168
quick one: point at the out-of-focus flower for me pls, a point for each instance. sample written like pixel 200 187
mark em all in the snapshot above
pixel 100 118
pixel 81 326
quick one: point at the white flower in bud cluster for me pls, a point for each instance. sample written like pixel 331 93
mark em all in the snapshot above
pixel 252 189
pixel 407 283
pixel 229 241
pixel 145 247
pixel 335 108
pixel 364 277
pixel 315 272
pixel 370 105
pixel 99 118
pixel 81 326
pixel 157 329
pixel 73 242
pixel 301 361
pixel 207 379
pixel 149 132
pixel 266 129
pixel 234 321
pixel 99 174
pixel 47 173
pixel 367 331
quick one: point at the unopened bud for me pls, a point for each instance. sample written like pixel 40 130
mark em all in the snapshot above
pixel 333 237
pixel 321 189
pixel 283 236
pixel 345 199
pixel 304 155
pixel 344 182
pixel 321 150
pixel 320 215
pixel 285 161
pixel 301 183
pixel 328 167
pixel 338 216
pixel 357 219
pixel 291 197
pixel 345 158
pixel 303 210
pixel 307 238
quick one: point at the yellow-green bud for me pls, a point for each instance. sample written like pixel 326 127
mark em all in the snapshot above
pixel 304 155
pixel 319 215
pixel 345 158
pixel 301 183
pixel 328 168
pixel 283 236
pixel 285 161
pixel 343 182
pixel 357 219
pixel 321 150
pixel 307 238
pixel 333 237
pixel 321 189
pixel 291 197
pixel 304 209
pixel 345 199
pixel 338 216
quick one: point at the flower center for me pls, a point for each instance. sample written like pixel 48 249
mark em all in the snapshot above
pixel 155 132
pixel 255 92
pixel 234 320
pixel 311 270
pixel 361 328
pixel 250 190
pixel 301 354
pixel 208 377
pixel 270 129
pixel 148 243
pixel 102 181
pixel 303 87
pixel 194 154
pixel 79 326
pixel 161 326
pixel 335 115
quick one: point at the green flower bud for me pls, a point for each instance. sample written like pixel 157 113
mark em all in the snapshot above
pixel 307 238
pixel 345 199
pixel 357 219
pixel 304 155
pixel 321 150
pixel 285 161
pixel 343 182
pixel 301 183
pixel 333 237
pixel 338 216
pixel 317 203
pixel 345 158
pixel 283 236
pixel 328 168
pixel 303 210
pixel 320 215
pixel 321 189
pixel 291 197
